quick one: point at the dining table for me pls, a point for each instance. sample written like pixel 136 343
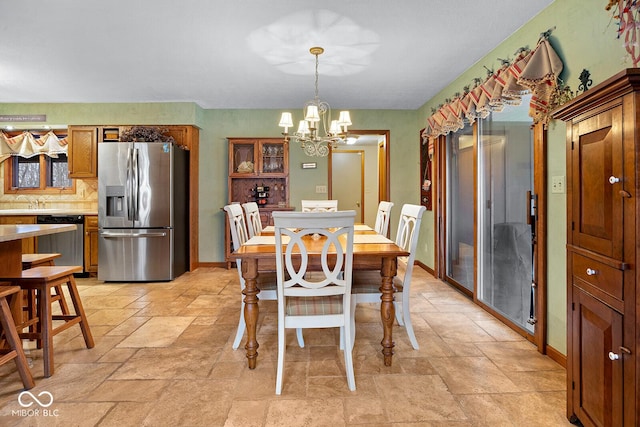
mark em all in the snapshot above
pixel 371 251
pixel 11 236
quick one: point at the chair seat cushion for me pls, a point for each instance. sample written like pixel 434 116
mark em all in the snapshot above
pixel 368 282
pixel 267 281
pixel 312 306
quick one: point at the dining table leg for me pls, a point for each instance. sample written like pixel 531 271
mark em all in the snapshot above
pixel 251 311
pixel 387 309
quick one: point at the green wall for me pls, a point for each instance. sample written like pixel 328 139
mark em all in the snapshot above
pixel 584 35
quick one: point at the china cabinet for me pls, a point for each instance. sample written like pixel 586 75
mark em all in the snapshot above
pixel 258 172
pixel 603 148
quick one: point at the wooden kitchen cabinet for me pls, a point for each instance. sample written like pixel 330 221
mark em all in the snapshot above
pixel 29 245
pixel 91 243
pixel 603 146
pixel 82 152
pixel 258 172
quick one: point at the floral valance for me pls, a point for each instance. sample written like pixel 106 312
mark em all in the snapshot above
pixel 531 72
pixel 27 145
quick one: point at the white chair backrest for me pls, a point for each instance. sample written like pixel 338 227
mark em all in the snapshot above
pixel 407 235
pixel 237 225
pixel 293 260
pixel 254 223
pixel 319 205
pixel 382 218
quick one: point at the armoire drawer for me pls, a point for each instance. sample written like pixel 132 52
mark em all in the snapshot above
pixel 603 277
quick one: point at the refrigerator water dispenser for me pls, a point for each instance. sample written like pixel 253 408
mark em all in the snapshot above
pixel 115 201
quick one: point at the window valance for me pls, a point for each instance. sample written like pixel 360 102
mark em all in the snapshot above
pixel 532 71
pixel 27 144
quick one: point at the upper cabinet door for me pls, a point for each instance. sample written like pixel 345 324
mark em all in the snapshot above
pixel 83 152
pixel 274 158
pixel 597 183
pixel 243 158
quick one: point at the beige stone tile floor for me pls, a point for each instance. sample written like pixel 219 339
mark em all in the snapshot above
pixel 163 357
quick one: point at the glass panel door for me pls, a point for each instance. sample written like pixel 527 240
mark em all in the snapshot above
pixel 505 175
pixel 459 207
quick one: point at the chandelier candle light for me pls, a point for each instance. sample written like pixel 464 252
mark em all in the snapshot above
pixel 316 113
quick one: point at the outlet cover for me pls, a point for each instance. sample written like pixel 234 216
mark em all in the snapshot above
pixel 557 184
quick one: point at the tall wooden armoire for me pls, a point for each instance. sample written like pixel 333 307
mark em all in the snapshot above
pixel 603 214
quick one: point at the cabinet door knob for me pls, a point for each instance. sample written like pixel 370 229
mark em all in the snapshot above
pixel 613 356
pixel 591 272
pixel 613 179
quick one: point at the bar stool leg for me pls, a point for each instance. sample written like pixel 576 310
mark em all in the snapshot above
pixel 77 305
pixel 46 329
pixel 14 341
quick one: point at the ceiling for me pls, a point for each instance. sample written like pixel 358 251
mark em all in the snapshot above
pixel 379 54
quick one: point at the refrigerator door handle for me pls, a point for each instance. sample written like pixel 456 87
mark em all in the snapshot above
pixel 135 184
pixel 127 187
pixel 109 235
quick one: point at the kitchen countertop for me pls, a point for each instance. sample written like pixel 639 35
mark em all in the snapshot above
pixel 54 211
pixel 15 232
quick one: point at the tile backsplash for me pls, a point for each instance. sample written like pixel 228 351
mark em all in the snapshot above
pixel 85 197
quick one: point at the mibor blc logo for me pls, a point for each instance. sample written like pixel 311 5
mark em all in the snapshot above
pixel 42 401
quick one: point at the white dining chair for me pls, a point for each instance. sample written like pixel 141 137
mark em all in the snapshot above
pixel 382 218
pixel 266 280
pixel 366 283
pixel 319 205
pixel 254 223
pixel 321 300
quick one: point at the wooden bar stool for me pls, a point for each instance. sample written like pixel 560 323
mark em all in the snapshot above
pixel 38 260
pixel 42 280
pixel 10 333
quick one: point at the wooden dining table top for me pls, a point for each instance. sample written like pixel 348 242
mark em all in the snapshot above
pixel 366 243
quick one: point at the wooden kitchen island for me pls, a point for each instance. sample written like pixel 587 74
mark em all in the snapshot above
pixel 11 236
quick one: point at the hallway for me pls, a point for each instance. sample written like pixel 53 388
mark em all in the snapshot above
pixel 163 357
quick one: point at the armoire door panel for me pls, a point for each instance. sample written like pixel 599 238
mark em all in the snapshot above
pixel 598 379
pixel 597 205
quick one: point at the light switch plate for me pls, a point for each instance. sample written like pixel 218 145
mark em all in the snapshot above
pixel 557 184
pixel 321 189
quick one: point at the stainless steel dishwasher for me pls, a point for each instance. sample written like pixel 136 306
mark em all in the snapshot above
pixel 70 244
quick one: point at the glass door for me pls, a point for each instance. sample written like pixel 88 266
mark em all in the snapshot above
pixel 505 236
pixel 460 245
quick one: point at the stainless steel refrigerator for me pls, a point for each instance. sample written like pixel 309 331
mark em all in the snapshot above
pixel 142 211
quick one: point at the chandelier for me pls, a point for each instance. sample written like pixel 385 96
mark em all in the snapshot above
pixel 313 140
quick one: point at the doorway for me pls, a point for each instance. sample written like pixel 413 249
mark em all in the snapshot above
pixel 375 184
pixel 347 180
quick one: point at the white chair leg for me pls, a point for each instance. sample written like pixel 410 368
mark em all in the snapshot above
pixel 281 349
pixel 348 357
pixel 241 328
pixel 407 323
pixel 353 321
pixel 399 312
pixel 300 337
